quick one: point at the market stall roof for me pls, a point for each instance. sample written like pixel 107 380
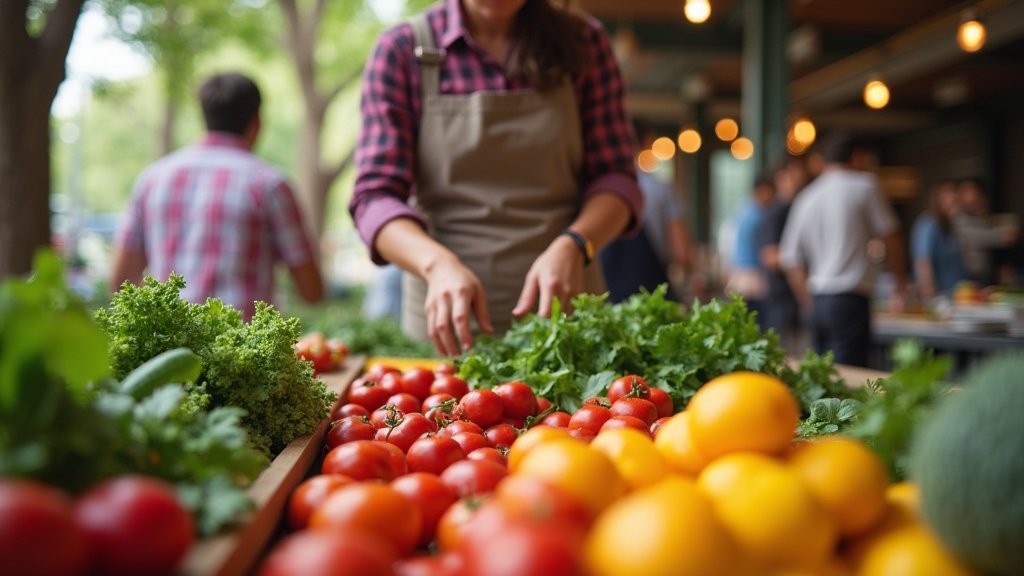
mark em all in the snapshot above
pixel 831 49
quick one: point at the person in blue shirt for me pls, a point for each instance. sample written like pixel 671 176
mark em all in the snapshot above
pixel 747 276
pixel 934 247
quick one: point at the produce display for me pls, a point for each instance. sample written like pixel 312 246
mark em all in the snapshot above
pixel 622 485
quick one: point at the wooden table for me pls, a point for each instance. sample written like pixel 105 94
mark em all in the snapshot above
pixel 236 553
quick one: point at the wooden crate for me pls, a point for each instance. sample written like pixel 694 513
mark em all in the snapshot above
pixel 236 553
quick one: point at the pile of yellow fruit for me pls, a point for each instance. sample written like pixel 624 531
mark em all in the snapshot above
pixel 724 489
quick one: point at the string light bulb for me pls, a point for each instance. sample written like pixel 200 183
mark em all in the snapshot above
pixel 727 129
pixel 804 131
pixel 742 148
pixel 972 34
pixel 689 140
pixel 876 93
pixel 663 148
pixel 697 11
pixel 646 161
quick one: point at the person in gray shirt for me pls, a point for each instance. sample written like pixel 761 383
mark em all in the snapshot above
pixel 824 251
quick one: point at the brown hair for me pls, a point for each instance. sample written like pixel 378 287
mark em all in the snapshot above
pixel 549 44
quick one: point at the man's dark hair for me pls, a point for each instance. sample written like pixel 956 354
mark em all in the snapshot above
pixel 229 102
pixel 840 147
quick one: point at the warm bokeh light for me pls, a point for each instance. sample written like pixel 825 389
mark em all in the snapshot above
pixel 876 94
pixel 646 161
pixel 697 11
pixel 663 148
pixel 689 141
pixel 727 129
pixel 804 132
pixel 742 148
pixel 793 146
pixel 971 35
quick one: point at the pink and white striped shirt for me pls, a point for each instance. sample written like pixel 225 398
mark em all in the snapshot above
pixel 219 216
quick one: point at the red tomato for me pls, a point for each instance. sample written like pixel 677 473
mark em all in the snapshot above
pixel 339 552
pixel 378 370
pixel 471 441
pixel 517 399
pixel 482 407
pixel 662 401
pixel 658 424
pixel 430 495
pixel 598 401
pixel 449 384
pixel 629 385
pixel 345 410
pixel 408 431
pixel 473 477
pixel 38 533
pixel 135 525
pixel 519 423
pixel 460 426
pixel 584 434
pixel 445 369
pixel 392 382
pixel 488 453
pixel 542 404
pixel 624 421
pixel 417 381
pixel 444 564
pixel 360 460
pixel 374 507
pixel 313 347
pixel 438 399
pixel 338 348
pixel 557 419
pixel 501 435
pixel 637 407
pixel 399 464
pixel 349 429
pixel 386 416
pixel 433 454
pixel 590 417
pixel 530 498
pixel 369 395
pixel 406 403
pixel 453 526
pixel 310 494
pixel 540 550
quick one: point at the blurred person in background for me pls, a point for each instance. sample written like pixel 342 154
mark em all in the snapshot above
pixel 746 275
pixel 780 310
pixel 934 248
pixel 824 250
pixel 216 214
pixel 981 236
pixel 662 250
pixel 494 160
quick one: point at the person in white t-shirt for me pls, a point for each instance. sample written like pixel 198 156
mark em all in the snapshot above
pixel 824 251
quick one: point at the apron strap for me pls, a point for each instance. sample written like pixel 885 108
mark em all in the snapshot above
pixel 428 55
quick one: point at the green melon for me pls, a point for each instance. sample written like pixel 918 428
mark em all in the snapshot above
pixel 969 463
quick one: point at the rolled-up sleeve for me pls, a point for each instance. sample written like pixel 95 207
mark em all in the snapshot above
pixel 607 136
pixel 385 152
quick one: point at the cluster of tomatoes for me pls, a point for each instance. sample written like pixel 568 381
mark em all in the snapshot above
pixel 126 525
pixel 326 354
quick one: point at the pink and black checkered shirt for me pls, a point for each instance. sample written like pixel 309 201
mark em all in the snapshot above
pixel 220 217
pixel 392 102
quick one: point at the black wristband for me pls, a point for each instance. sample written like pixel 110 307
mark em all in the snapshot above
pixel 586 248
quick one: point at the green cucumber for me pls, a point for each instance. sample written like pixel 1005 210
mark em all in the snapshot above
pixel 177 365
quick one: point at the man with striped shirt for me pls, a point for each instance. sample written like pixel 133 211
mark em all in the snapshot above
pixel 216 214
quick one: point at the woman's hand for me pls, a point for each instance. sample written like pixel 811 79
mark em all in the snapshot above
pixel 453 293
pixel 557 272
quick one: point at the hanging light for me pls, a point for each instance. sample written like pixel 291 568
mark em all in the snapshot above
pixel 742 148
pixel 697 11
pixel 876 93
pixel 663 148
pixel 804 131
pixel 689 140
pixel 727 129
pixel 971 34
pixel 646 161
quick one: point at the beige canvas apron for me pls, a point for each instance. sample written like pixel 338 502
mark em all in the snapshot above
pixel 496 180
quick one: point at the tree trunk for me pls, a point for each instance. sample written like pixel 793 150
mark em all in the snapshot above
pixel 31 69
pixel 167 129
